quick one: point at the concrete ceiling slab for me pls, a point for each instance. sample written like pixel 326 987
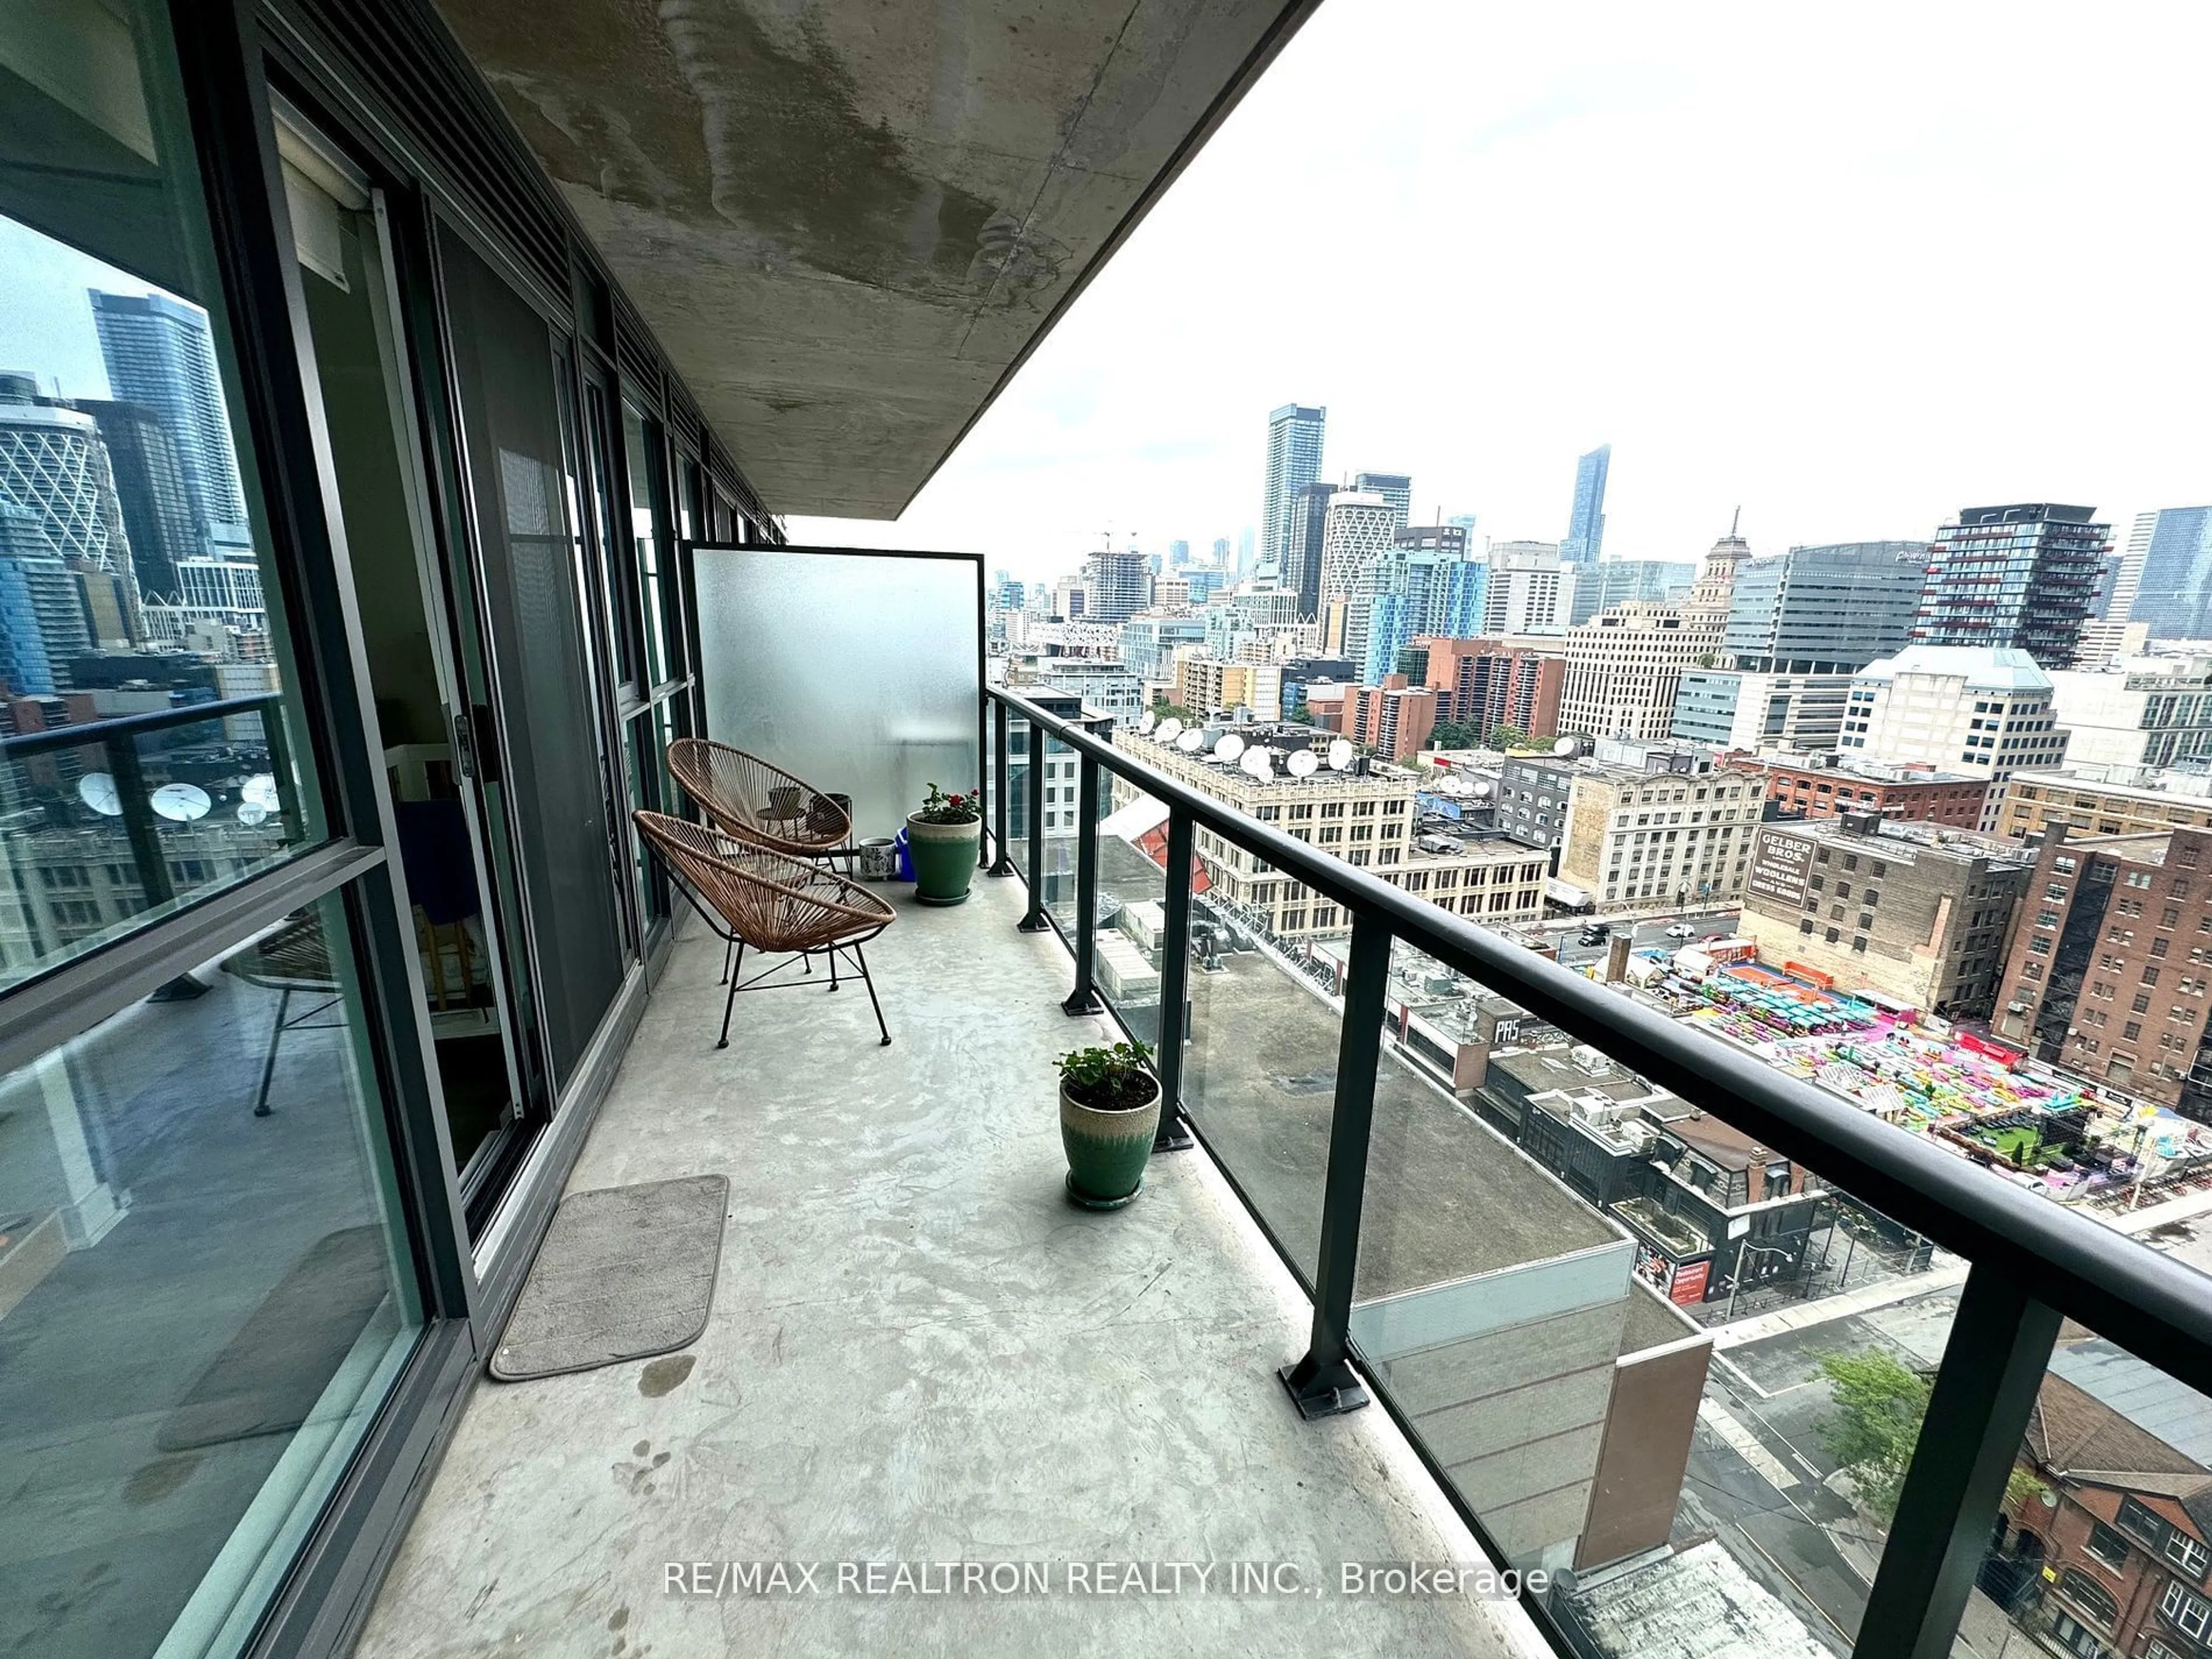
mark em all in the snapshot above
pixel 850 221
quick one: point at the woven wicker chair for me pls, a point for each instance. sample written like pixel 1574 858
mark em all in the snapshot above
pixel 745 797
pixel 777 904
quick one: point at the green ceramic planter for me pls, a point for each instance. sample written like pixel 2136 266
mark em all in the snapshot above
pixel 1106 1151
pixel 944 857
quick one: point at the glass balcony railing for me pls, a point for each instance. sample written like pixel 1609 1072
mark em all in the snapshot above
pixel 106 825
pixel 1670 1313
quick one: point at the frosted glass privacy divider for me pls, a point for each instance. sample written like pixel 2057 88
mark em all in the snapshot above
pixel 860 671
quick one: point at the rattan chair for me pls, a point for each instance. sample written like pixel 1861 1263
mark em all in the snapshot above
pixel 777 904
pixel 745 797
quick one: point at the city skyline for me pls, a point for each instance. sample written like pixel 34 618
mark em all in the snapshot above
pixel 1793 343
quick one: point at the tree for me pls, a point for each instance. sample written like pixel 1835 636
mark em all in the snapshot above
pixel 1508 737
pixel 1167 710
pixel 1455 734
pixel 1301 716
pixel 1877 1423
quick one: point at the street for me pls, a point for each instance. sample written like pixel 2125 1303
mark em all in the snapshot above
pixel 1645 933
pixel 1759 1477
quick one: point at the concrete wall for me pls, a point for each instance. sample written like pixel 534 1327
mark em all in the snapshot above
pixel 1508 1377
pixel 1650 1421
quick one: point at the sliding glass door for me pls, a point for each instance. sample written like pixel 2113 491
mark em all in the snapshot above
pixel 544 743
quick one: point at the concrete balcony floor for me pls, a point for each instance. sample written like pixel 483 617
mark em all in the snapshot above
pixel 920 1352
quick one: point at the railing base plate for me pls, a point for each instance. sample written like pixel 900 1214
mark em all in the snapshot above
pixel 1321 1391
pixel 1175 1135
pixel 1081 1003
pixel 1034 925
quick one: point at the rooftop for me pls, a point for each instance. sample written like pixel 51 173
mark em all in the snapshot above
pixel 1984 668
pixel 1909 836
pixel 2172 1410
pixel 2151 783
pixel 1866 771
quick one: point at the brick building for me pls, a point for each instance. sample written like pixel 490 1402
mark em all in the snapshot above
pixel 2110 966
pixel 2107 800
pixel 1916 911
pixel 1801 789
pixel 1393 719
pixel 1488 683
pixel 1366 817
pixel 2107 1551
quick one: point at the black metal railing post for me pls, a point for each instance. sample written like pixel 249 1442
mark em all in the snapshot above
pixel 291 812
pixel 1174 1134
pixel 1083 999
pixel 1036 921
pixel 145 851
pixel 1323 1383
pixel 1001 865
pixel 1977 1415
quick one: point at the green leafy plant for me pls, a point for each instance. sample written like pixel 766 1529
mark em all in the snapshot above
pixel 1109 1078
pixel 1878 1406
pixel 2024 1486
pixel 938 807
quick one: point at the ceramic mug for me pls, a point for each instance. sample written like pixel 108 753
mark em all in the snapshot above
pixel 876 859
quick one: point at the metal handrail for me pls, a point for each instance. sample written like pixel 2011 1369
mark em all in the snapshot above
pixel 2119 1286
pixel 24 744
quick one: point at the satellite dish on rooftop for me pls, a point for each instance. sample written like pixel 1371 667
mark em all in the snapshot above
pixel 181 803
pixel 1566 748
pixel 1481 788
pixel 1339 754
pixel 1302 763
pixel 1457 789
pixel 1227 747
pixel 97 791
pixel 1170 729
pixel 251 813
pixel 260 790
pixel 1258 764
pixel 1191 741
pixel 1148 720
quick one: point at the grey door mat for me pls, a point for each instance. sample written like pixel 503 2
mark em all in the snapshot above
pixel 624 1273
pixel 274 1370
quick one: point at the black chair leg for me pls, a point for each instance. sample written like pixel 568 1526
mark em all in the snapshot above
pixel 869 979
pixel 833 967
pixel 731 1000
pixel 728 945
pixel 261 1107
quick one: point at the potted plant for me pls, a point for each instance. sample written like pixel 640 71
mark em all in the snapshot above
pixel 942 840
pixel 1109 1110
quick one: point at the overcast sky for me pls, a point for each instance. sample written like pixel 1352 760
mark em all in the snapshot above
pixel 1852 270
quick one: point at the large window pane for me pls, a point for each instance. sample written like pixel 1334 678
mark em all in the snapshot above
pixel 204 1292
pixel 642 447
pixel 135 574
pixel 552 776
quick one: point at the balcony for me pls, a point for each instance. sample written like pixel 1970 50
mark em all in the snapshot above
pixel 1559 1392
pixel 920 1352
